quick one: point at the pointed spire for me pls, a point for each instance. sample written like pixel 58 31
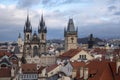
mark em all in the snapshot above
pixel 27 27
pixel 91 37
pixel 42 23
pixel 42 27
pixel 19 35
pixel 70 25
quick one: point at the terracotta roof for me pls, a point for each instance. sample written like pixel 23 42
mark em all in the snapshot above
pixel 99 51
pixel 29 68
pixel 76 64
pixel 50 68
pixel 113 70
pixel 101 70
pixel 5 72
pixel 14 61
pixel 40 69
pixel 3 53
pixel 70 53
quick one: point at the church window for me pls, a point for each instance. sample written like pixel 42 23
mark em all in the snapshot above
pixel 28 37
pixel 35 50
pixel 42 36
pixel 72 39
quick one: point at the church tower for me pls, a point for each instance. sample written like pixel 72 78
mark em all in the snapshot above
pixel 90 41
pixel 20 43
pixel 27 36
pixel 70 36
pixel 42 30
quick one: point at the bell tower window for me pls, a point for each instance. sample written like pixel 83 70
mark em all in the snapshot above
pixel 28 37
pixel 42 36
pixel 72 39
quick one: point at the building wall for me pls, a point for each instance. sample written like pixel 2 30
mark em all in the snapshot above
pixel 54 71
pixel 28 77
pixel 6 78
pixel 48 60
pixel 67 69
pixel 70 42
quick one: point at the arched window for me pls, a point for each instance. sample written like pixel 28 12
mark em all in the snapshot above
pixel 28 37
pixel 42 36
pixel 72 39
pixel 35 51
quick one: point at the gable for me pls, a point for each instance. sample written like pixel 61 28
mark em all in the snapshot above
pixel 82 53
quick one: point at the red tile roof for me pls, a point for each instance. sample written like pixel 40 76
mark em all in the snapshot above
pixel 5 72
pixel 50 68
pixel 99 51
pixel 40 69
pixel 76 64
pixel 29 68
pixel 101 70
pixel 70 53
pixel 2 53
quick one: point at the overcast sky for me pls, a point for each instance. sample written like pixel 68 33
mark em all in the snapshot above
pixel 100 17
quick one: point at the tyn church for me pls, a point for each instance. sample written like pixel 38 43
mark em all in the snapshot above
pixel 34 44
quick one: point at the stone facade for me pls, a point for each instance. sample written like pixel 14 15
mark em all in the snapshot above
pixel 70 36
pixel 34 44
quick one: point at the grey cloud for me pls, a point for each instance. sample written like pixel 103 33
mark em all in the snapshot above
pixel 109 30
pixel 117 13
pixel 112 8
pixel 27 3
pixel 45 3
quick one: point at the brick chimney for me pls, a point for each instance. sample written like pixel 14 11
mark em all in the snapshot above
pixel 19 63
pixel 12 72
pixel 117 66
pixel 85 73
pixel 73 74
pixel 81 72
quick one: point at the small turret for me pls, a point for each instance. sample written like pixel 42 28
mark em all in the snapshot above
pixel 90 41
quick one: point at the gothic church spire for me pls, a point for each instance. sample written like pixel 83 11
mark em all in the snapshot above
pixel 42 27
pixel 27 27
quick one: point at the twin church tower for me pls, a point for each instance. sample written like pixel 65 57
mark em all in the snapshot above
pixel 35 44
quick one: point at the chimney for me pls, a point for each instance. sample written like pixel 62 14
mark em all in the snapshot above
pixel 81 72
pixel 20 70
pixel 111 58
pixel 85 73
pixel 19 63
pixel 12 72
pixel 74 74
pixel 117 66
